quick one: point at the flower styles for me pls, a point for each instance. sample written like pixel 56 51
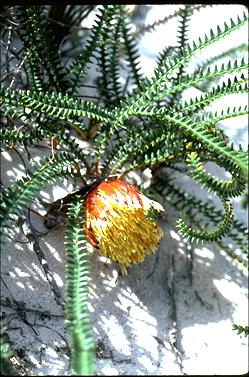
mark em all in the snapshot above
pixel 119 223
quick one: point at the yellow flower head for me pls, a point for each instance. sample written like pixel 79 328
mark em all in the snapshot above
pixel 119 222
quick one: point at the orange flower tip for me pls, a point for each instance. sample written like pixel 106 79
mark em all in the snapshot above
pixel 119 222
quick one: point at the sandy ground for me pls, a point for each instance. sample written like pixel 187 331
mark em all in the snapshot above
pixel 171 315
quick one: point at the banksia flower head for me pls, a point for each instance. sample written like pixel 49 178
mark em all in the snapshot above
pixel 120 222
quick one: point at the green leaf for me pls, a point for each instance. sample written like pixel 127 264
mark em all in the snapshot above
pixel 77 275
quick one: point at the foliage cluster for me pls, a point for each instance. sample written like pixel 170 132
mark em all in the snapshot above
pixel 147 125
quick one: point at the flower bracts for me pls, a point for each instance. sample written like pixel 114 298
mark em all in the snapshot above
pixel 119 224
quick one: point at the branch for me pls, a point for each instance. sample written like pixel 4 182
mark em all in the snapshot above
pixel 33 240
